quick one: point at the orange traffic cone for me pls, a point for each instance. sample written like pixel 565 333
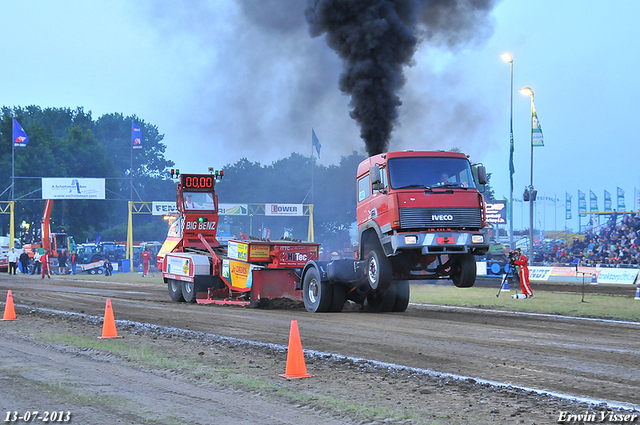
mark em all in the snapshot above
pixel 295 359
pixel 109 324
pixel 9 311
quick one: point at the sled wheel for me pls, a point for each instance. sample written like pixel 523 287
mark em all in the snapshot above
pixel 175 290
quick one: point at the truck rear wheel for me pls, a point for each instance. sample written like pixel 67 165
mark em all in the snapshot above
pixel 316 293
pixel 463 271
pixel 379 271
pixel 175 290
pixel 380 301
pixel 189 292
pixel 402 296
pixel 339 298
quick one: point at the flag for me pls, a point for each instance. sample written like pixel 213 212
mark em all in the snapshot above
pixel 593 202
pixel 508 204
pixel 607 201
pixel 315 143
pixel 98 239
pixel 512 168
pixel 136 136
pixel 568 204
pixel 536 130
pixel 621 206
pixel 19 136
pixel 582 202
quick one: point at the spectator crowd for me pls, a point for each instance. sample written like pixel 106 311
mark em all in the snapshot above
pixel 616 244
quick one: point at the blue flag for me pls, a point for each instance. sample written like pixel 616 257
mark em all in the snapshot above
pixel 136 136
pixel 20 138
pixel 315 143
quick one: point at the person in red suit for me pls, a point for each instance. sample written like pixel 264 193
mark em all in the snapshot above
pixel 46 266
pixel 146 258
pixel 523 273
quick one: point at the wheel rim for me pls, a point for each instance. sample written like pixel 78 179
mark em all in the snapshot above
pixel 313 291
pixel 174 286
pixel 189 287
pixel 373 270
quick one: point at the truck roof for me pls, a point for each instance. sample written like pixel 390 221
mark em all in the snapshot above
pixel 363 168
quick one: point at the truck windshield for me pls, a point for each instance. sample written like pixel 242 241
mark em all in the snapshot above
pixel 430 172
pixel 198 201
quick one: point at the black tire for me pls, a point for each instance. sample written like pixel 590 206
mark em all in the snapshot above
pixel 463 271
pixel 175 290
pixel 316 293
pixel 379 272
pixel 339 293
pixel 403 293
pixel 382 301
pixel 189 291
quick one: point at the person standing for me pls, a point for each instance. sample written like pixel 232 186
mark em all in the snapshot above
pixel 36 262
pixel 24 262
pixel 13 261
pixel 62 262
pixel 108 267
pixel 146 258
pixel 523 273
pixel 46 266
pixel 74 260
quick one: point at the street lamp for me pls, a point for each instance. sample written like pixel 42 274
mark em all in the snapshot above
pixel 527 91
pixel 508 58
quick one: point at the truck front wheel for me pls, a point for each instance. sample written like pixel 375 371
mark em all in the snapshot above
pixel 316 293
pixel 175 290
pixel 463 271
pixel 379 271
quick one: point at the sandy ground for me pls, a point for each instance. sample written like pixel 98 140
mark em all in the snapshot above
pixel 180 363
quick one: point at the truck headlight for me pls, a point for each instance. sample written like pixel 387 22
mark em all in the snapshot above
pixel 411 240
pixel 477 238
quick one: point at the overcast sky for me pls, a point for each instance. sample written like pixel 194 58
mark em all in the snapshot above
pixel 227 79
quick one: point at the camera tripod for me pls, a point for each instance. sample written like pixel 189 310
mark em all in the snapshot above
pixel 508 277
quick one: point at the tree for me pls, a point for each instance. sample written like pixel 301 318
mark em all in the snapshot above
pixel 69 143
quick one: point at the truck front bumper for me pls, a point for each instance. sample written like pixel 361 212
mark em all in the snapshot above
pixel 445 242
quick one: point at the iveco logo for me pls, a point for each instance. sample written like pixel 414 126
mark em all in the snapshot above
pixel 441 217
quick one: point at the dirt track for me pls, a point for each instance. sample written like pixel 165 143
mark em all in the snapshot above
pixel 587 359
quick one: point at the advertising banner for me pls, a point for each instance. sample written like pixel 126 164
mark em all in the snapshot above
pixel 233 209
pixel 163 208
pixel 540 273
pixel 283 209
pixel 73 188
pixel 626 276
pixel 497 212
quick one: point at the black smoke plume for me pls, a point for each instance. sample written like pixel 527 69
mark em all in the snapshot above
pixel 376 39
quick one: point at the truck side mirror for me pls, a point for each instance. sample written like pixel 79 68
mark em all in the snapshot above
pixel 374 175
pixel 482 174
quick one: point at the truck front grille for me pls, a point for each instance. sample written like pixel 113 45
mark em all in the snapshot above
pixel 458 218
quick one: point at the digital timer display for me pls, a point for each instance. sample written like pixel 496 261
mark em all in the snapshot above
pixel 197 181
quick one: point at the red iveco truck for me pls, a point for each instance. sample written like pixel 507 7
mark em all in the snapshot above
pixel 420 216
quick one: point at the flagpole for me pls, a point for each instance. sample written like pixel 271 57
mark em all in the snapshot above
pixel 13 148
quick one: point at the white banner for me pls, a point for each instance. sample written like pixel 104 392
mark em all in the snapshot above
pixel 540 273
pixel 233 209
pixel 72 188
pixel 627 276
pixel 163 208
pixel 283 209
